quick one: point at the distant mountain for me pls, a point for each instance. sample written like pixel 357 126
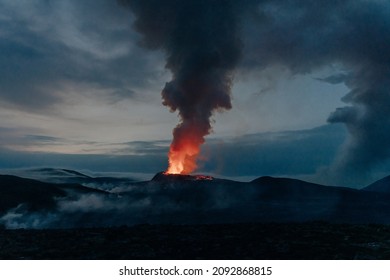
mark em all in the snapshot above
pixel 36 195
pixel 318 202
pixel 185 199
pixel 382 186
pixel 61 175
pixel 59 172
pixel 265 199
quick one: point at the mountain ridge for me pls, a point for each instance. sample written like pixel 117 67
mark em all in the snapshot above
pixel 381 185
pixel 188 199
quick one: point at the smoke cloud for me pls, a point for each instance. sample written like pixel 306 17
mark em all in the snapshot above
pixel 202 46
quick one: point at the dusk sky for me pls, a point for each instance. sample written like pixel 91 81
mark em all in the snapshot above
pixel 81 83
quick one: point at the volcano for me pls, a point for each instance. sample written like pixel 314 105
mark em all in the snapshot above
pixel 166 177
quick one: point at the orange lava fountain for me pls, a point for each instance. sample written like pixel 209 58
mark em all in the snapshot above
pixel 188 136
pixel 182 160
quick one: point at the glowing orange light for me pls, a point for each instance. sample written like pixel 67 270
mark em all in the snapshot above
pixel 188 137
pixel 182 157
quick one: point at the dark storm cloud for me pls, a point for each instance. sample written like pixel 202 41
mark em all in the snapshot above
pixel 308 35
pixel 334 79
pixel 26 75
pixel 44 46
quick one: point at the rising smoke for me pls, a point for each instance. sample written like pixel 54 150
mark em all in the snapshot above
pixel 202 47
pixel 203 40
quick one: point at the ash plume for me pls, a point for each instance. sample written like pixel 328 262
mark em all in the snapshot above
pixel 202 46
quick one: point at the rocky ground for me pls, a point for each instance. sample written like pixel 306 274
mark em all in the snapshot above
pixel 315 240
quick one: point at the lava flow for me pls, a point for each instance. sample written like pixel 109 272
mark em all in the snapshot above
pixel 166 177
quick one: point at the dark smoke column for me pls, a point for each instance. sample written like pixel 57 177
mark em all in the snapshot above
pixel 202 47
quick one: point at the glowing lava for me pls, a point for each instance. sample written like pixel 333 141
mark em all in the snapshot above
pixel 165 177
pixel 181 161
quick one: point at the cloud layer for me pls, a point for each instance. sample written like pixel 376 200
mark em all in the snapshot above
pixel 354 36
pixel 54 54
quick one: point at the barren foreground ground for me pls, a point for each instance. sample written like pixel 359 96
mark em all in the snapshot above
pixel 315 240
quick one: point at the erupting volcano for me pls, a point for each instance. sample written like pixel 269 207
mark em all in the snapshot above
pixel 195 105
pixel 202 46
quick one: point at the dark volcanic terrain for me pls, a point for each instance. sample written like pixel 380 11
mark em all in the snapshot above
pixel 315 240
pixel 178 199
pixel 70 215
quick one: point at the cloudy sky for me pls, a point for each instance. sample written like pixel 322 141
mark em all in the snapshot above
pixel 81 88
